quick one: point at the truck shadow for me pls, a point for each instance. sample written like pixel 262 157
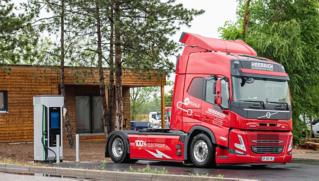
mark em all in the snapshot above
pixel 191 166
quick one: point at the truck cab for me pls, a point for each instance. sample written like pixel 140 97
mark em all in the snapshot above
pixel 229 107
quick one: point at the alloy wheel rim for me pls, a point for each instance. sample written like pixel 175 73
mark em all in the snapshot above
pixel 200 151
pixel 117 147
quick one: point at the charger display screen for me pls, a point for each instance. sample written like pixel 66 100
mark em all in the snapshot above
pixel 55 123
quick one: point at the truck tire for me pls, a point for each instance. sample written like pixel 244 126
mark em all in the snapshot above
pixel 202 151
pixel 118 149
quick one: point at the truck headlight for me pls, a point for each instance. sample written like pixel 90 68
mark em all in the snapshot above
pixel 290 144
pixel 242 144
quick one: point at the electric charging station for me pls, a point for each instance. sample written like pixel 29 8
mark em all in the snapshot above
pixel 48 122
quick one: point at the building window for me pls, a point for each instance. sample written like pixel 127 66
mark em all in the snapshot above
pixel 88 114
pixel 3 101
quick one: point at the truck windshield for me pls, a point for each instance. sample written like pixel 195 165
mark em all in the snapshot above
pixel 268 91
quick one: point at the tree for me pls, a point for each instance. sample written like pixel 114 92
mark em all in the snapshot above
pixel 246 18
pixel 286 31
pixel 62 86
pixel 141 30
pixel 17 35
pixel 92 18
pixel 169 95
pixel 169 98
pixel 139 97
pixel 58 52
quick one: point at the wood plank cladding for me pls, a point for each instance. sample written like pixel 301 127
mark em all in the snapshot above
pixel 24 82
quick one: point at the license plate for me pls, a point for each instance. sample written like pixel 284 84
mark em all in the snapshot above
pixel 268 158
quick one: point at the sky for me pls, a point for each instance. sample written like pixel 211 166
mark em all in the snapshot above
pixel 217 12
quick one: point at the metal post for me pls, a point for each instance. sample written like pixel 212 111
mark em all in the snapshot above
pixel 163 106
pixel 57 148
pixel 77 147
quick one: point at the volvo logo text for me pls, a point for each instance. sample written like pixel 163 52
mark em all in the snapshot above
pixel 268 115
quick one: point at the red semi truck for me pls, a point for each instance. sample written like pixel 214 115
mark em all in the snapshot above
pixel 229 107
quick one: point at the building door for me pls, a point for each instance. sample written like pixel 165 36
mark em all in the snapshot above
pixel 88 114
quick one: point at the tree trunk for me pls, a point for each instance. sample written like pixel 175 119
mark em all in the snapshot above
pixel 62 87
pixel 246 18
pixel 111 77
pixel 101 74
pixel 118 73
pixel 310 136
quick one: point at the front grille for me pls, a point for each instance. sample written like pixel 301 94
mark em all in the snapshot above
pixel 261 136
pixel 267 141
pixel 267 149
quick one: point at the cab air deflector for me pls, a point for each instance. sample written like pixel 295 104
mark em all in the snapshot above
pixel 212 44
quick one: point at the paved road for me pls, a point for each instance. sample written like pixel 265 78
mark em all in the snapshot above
pixel 14 177
pixel 299 169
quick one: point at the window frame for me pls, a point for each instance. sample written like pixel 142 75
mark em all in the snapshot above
pixel 90 114
pixel 205 88
pixel 5 102
pixel 227 94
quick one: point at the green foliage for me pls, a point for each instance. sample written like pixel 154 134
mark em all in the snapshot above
pixel 145 34
pixel 169 98
pixel 17 35
pixel 286 31
pixel 141 97
pixel 169 95
pixel 298 127
pixel 147 99
pixel 103 165
pixel 148 169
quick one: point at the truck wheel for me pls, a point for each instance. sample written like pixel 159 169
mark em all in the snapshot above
pixel 202 151
pixel 118 149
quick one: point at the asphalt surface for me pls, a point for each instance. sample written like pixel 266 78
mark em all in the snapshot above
pixel 15 177
pixel 298 169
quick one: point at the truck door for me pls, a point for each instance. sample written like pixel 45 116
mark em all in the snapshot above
pixel 192 102
pixel 212 115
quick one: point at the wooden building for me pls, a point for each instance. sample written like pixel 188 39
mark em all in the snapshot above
pixel 18 87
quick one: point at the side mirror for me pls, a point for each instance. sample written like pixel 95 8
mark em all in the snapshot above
pixel 218 97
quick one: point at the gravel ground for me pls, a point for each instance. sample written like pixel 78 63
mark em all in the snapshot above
pixel 23 152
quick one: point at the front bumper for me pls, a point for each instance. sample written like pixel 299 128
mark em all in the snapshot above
pixel 252 160
pixel 246 155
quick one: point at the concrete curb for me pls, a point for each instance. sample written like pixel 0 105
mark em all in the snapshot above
pixel 43 170
pixel 2 167
pixel 106 175
pixel 17 168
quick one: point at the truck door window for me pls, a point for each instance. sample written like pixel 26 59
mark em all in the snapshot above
pixel 225 93
pixel 196 88
pixel 154 116
pixel 210 91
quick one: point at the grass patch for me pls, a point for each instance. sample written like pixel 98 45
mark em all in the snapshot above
pixel 148 169
pixel 103 165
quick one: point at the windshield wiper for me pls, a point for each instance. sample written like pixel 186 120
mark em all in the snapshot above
pixel 280 103
pixel 260 102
